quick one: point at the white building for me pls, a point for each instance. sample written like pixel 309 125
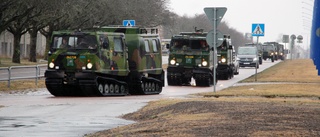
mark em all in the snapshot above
pixel 6 45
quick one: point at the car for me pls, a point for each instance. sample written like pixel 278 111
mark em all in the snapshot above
pixel 248 56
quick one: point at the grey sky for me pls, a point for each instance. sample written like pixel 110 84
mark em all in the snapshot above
pixel 279 16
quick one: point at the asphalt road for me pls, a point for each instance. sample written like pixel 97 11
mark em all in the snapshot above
pixel 38 114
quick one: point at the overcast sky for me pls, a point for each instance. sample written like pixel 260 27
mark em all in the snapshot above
pixel 279 16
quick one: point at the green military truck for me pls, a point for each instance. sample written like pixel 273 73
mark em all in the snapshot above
pixel 279 50
pixel 268 51
pixel 226 68
pixel 105 61
pixel 190 57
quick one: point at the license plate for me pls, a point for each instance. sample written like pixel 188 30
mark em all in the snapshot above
pixel 71 57
pixel 246 63
pixel 190 57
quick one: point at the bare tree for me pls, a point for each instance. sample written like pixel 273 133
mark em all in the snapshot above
pixel 6 19
pixel 175 24
pixel 35 24
pixel 19 26
pixel 64 14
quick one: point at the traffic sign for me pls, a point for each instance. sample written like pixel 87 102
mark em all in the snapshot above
pixel 213 38
pixel 299 38
pixel 257 29
pixel 285 38
pixel 210 38
pixel 293 37
pixel 215 14
pixel 129 23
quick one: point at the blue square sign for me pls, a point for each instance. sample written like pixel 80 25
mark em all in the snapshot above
pixel 128 23
pixel 257 29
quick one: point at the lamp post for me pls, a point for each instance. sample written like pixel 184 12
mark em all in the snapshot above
pixel 293 38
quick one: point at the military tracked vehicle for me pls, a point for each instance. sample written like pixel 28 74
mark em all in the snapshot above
pixel 226 68
pixel 190 57
pixel 105 61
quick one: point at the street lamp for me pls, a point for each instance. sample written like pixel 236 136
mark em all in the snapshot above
pixel 292 37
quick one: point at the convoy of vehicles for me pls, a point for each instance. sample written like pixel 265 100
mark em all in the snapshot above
pixel 248 56
pixel 227 63
pixel 279 52
pixel 128 60
pixel 190 57
pixel 105 61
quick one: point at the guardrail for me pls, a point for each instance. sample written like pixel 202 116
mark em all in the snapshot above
pixel 10 75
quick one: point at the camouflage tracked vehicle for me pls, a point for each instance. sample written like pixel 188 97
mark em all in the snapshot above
pixel 190 56
pixel 106 61
pixel 226 68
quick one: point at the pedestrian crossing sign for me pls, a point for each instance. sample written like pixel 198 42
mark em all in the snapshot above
pixel 257 29
pixel 129 23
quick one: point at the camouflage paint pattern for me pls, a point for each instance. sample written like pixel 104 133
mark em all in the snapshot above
pixel 141 51
pixel 144 49
pixel 190 58
pixel 105 60
pixel 223 51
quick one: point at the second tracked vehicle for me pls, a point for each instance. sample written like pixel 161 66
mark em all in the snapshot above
pixel 190 57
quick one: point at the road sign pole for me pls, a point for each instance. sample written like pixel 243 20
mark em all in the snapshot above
pixel 214 49
pixel 257 30
pixel 214 14
pixel 257 62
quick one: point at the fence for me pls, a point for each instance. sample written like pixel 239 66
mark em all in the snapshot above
pixel 22 72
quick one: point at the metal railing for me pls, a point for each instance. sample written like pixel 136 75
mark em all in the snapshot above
pixel 11 76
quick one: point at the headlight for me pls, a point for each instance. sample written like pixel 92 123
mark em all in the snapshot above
pixel 204 63
pixel 223 60
pixel 254 59
pixel 89 65
pixel 238 59
pixel 271 53
pixel 51 65
pixel 281 53
pixel 276 53
pixel 172 62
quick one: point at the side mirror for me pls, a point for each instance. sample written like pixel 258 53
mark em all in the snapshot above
pixel 49 53
pixel 167 46
pixel 105 45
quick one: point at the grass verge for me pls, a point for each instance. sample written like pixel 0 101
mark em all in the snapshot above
pixel 21 85
pixel 287 103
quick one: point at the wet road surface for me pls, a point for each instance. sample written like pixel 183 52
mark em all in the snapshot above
pixel 39 114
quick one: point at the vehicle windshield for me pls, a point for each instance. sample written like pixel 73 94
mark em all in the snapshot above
pixel 247 51
pixel 186 44
pixel 75 42
pixel 268 47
